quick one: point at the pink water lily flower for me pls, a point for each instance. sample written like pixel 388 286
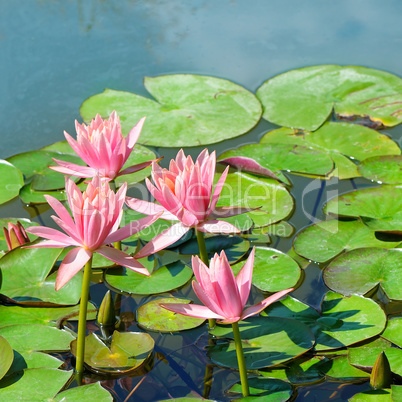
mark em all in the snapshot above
pixel 103 148
pixel 97 213
pixel 15 235
pixel 224 296
pixel 186 194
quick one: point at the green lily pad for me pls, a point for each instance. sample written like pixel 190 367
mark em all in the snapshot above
pixel 396 392
pixel 383 169
pixel 362 270
pixel 270 389
pixel 11 315
pixel 7 356
pixel 304 98
pixel 36 337
pixel 25 277
pixel 127 352
pixel 327 239
pixel 288 157
pixel 162 279
pixel 376 395
pixel 24 222
pixel 90 392
pixel 273 200
pixel 343 142
pixel 190 110
pixel 11 181
pixel 266 342
pixel 393 331
pixel 379 207
pixel 38 384
pixel 339 369
pixel 152 317
pixel 28 360
pixel 273 270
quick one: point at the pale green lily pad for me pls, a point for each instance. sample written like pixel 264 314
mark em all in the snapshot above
pixel 273 270
pixel 128 351
pixel 376 395
pixel 7 356
pixel 273 200
pixel 343 142
pixel 36 337
pixel 266 342
pixel 37 384
pixel 285 157
pixel 379 207
pixel 162 279
pixel 362 270
pixel 11 315
pixel 190 110
pixel 30 283
pixel 327 239
pixel 90 392
pixel 152 317
pixel 268 389
pixel 304 98
pixel 11 181
pixel 382 169
pixel 393 331
pixel 24 222
pixel 29 359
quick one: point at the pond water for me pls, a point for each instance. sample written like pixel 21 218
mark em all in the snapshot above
pixel 57 54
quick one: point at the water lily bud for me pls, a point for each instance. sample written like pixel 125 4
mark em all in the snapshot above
pixel 15 235
pixel 381 376
pixel 107 314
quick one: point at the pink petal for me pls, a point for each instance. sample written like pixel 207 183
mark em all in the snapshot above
pixel 72 264
pixel 61 211
pixel 265 303
pixel 244 277
pixel 215 226
pixel 72 169
pixel 48 244
pixel 191 310
pixel 217 190
pixel 134 133
pixel 164 239
pixel 136 168
pixel 149 208
pixel 208 299
pixel 123 259
pixel 52 234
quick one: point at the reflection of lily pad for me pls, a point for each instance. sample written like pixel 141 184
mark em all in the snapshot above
pixel 190 110
pixel 327 239
pixel 304 98
pixel 127 352
pixel 151 316
pixel 362 270
pixel 11 181
pixel 384 169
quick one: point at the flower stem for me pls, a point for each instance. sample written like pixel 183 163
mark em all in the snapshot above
pixel 241 360
pixel 204 258
pixel 82 321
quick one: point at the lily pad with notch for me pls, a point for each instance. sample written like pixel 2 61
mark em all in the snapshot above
pixel 11 180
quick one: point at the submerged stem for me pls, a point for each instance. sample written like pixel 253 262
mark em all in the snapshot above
pixel 241 360
pixel 82 321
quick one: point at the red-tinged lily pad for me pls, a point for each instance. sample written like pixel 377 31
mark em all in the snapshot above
pixel 360 271
pixel 11 181
pixel 152 317
pixel 90 392
pixel 24 222
pixel 327 239
pixel 26 279
pixel 7 356
pixel 305 98
pixel 189 110
pixel 382 169
pixel 127 352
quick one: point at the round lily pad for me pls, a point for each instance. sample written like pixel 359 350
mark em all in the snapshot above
pixel 266 342
pixel 339 369
pixel 127 352
pixel 362 270
pixel 7 356
pixel 151 316
pixel 327 239
pixel 29 359
pixel 161 280
pixel 304 98
pixel 393 331
pixel 383 169
pixel 90 392
pixel 24 222
pixel 11 181
pixel 273 270
pixel 190 110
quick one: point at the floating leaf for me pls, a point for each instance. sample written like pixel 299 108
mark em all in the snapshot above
pixel 31 359
pixel 339 369
pixel 273 270
pixel 304 98
pixel 127 352
pixel 393 331
pixel 327 239
pixel 162 279
pixel 377 395
pixel 37 384
pixel 151 316
pixel 25 277
pixel 90 392
pixel 7 356
pixel 4 223
pixel 362 270
pixel 191 110
pixel 266 342
pixel 383 169
pixel 11 181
